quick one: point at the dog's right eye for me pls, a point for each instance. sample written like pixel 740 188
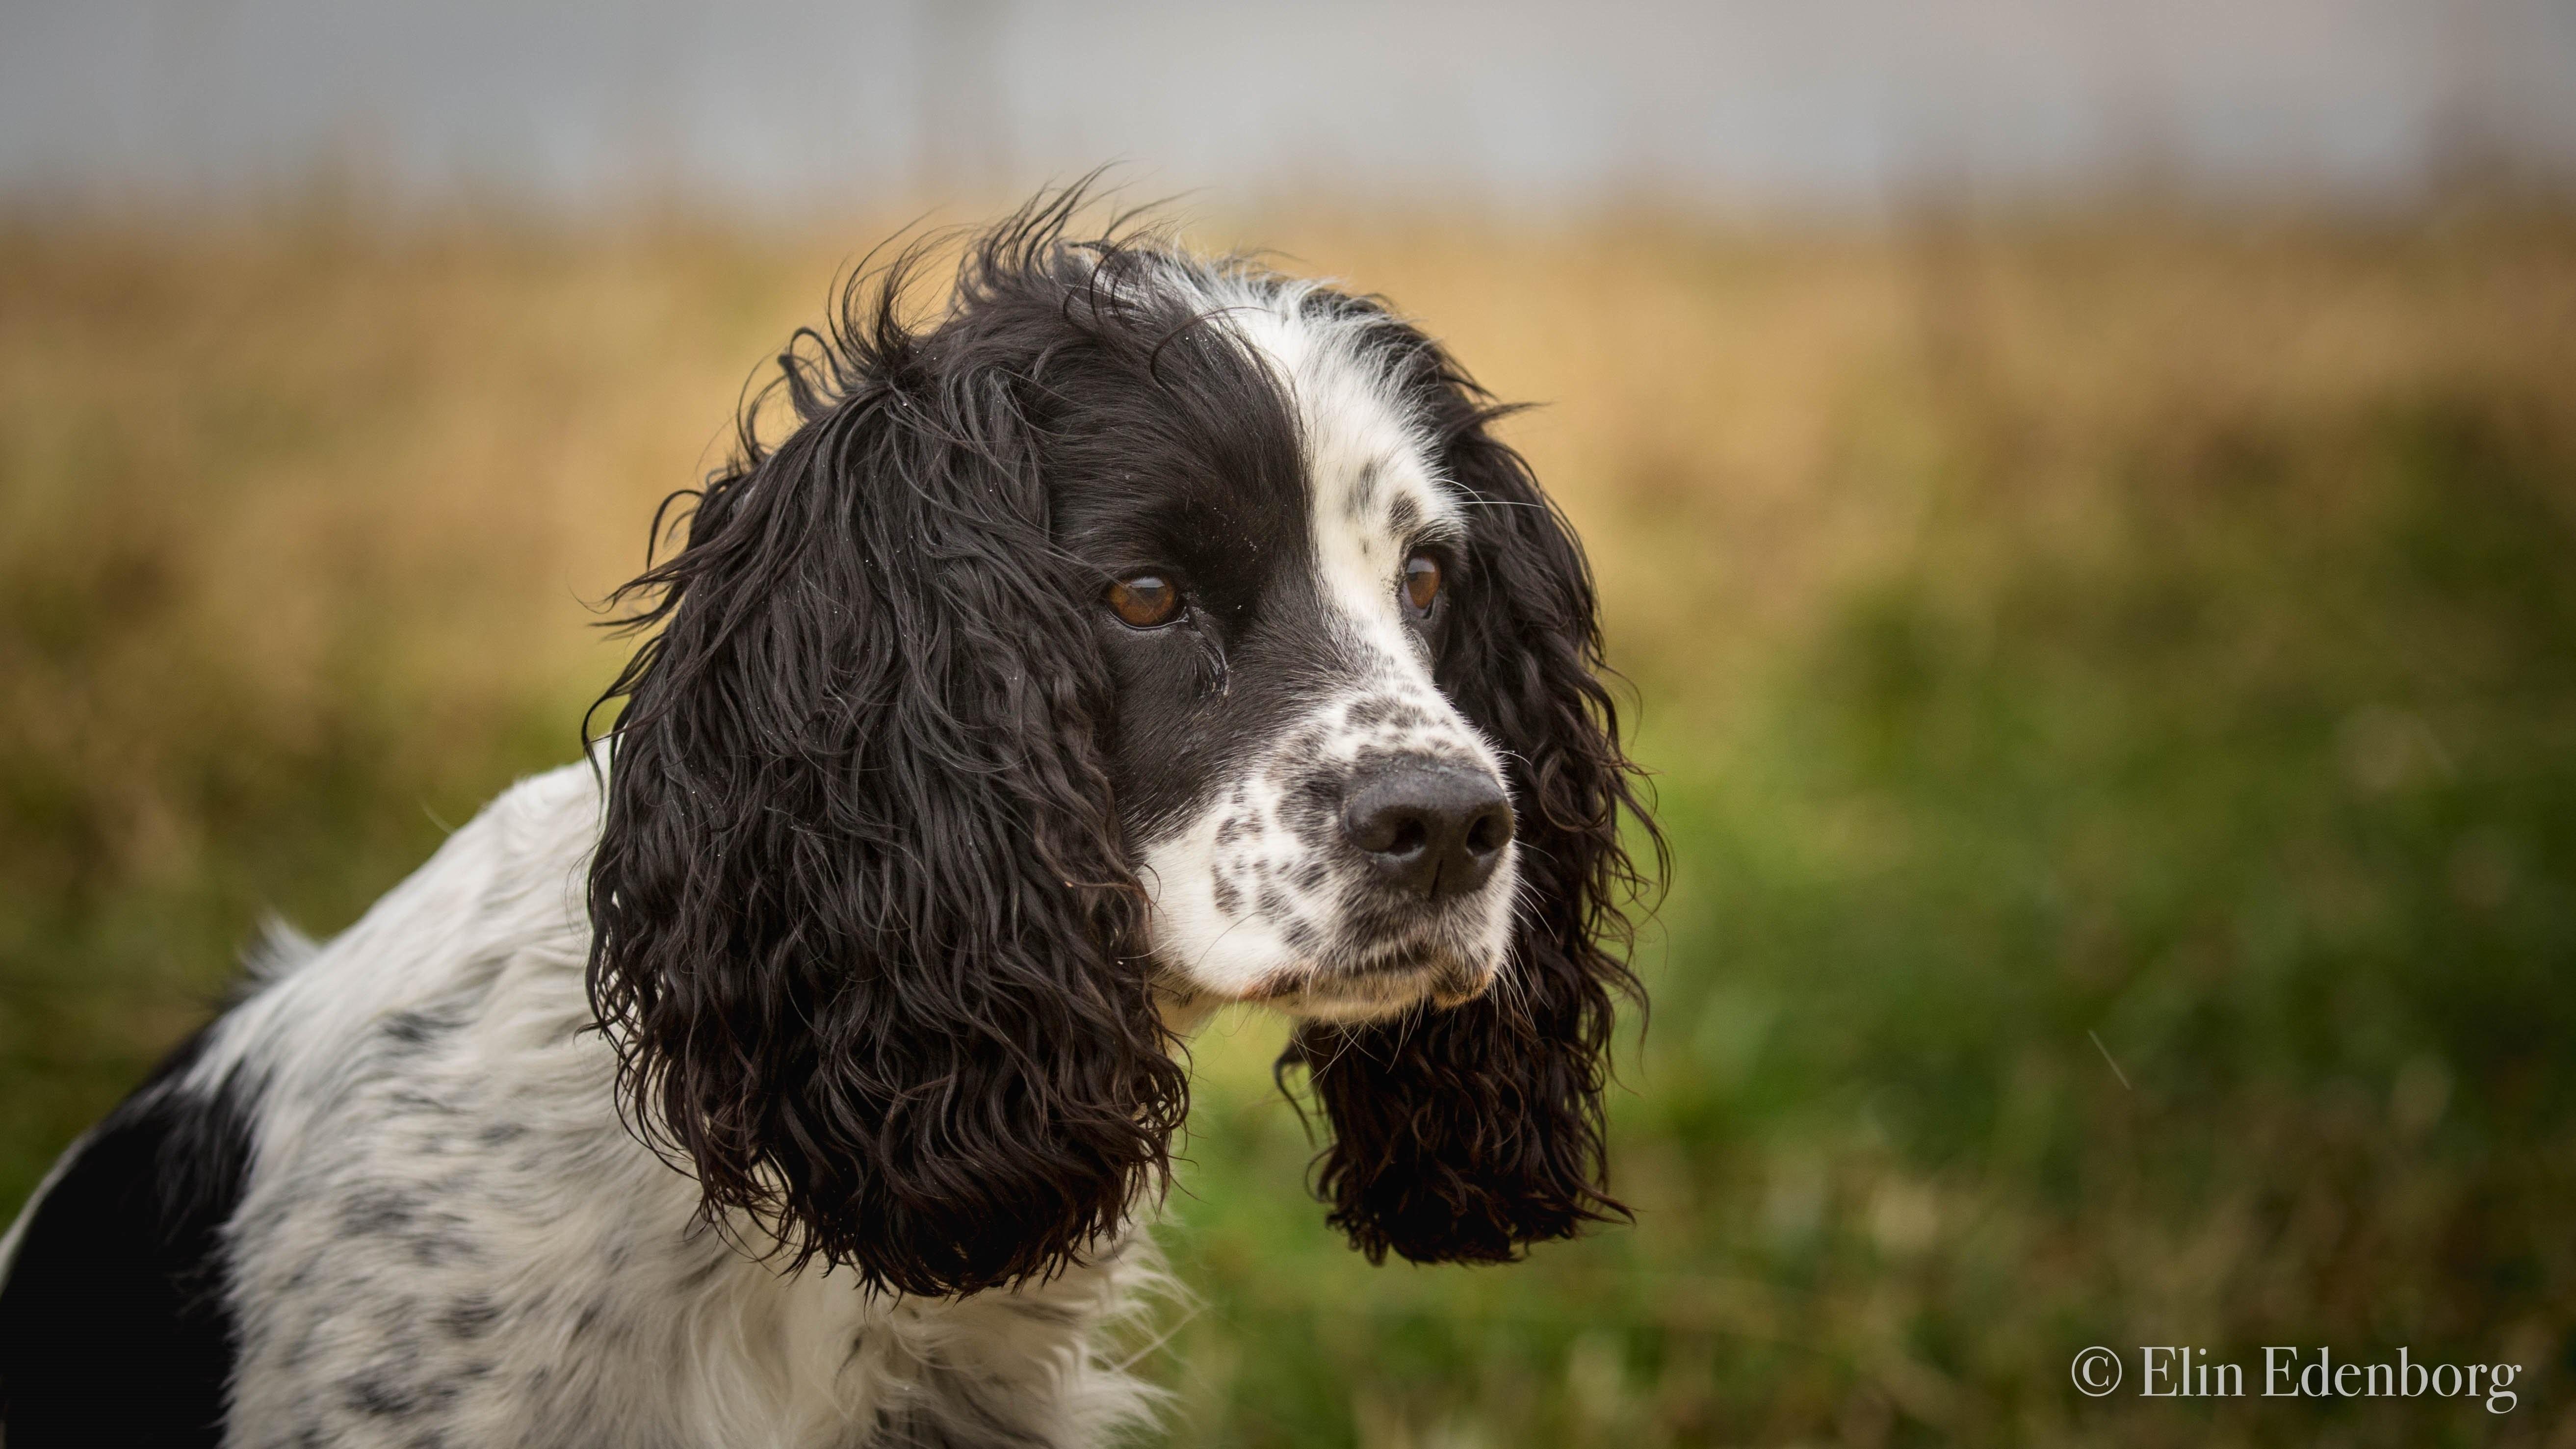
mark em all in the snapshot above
pixel 1145 600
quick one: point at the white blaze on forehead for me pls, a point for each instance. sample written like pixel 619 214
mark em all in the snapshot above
pixel 1368 464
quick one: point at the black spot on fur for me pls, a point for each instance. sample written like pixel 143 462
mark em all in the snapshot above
pixel 1363 495
pixel 438 1249
pixel 469 1318
pixel 413 1029
pixel 377 1211
pixel 383 1394
pixel 413 1101
pixel 378 1398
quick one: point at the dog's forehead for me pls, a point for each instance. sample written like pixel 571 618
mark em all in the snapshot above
pixel 1373 490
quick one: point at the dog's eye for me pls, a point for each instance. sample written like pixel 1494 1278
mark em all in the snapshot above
pixel 1145 600
pixel 1422 582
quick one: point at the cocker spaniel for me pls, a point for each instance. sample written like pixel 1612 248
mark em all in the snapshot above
pixel 1136 634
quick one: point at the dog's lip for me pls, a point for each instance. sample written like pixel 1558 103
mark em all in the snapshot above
pixel 1408 962
pixel 1321 979
pixel 1389 979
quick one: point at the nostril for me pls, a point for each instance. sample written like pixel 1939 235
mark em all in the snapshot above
pixel 1382 829
pixel 1387 831
pixel 1490 831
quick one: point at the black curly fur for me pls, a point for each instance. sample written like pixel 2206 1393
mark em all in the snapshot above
pixel 861 899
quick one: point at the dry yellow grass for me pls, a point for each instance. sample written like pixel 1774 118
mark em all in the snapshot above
pixel 445 438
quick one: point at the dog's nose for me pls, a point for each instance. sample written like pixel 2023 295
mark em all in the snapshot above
pixel 1430 830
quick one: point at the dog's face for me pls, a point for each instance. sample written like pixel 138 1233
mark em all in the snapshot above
pixel 1141 627
pixel 1316 822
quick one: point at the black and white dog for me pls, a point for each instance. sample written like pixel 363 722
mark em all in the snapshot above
pixel 1140 633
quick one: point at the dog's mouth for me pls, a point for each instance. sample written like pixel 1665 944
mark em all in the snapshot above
pixel 1380 983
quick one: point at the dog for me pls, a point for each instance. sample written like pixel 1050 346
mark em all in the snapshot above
pixel 1128 634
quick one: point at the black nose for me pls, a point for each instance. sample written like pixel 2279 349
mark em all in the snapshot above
pixel 1430 830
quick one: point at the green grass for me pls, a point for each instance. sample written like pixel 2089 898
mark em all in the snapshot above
pixel 2125 890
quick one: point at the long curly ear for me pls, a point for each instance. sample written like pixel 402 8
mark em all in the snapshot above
pixel 859 903
pixel 1464 1134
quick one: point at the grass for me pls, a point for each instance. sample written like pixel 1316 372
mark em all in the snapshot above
pixel 2112 681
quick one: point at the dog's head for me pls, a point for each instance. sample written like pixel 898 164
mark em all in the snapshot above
pixel 1140 630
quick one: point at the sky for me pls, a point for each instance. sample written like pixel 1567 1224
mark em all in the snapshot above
pixel 1725 105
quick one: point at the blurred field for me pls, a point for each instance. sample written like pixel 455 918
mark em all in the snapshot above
pixel 2121 627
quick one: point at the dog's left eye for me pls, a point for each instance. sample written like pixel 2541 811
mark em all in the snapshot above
pixel 1422 582
pixel 1145 600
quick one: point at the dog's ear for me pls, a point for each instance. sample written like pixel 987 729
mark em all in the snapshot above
pixel 1464 1134
pixel 861 913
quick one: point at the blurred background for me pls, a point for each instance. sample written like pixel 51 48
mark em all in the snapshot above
pixel 2084 494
